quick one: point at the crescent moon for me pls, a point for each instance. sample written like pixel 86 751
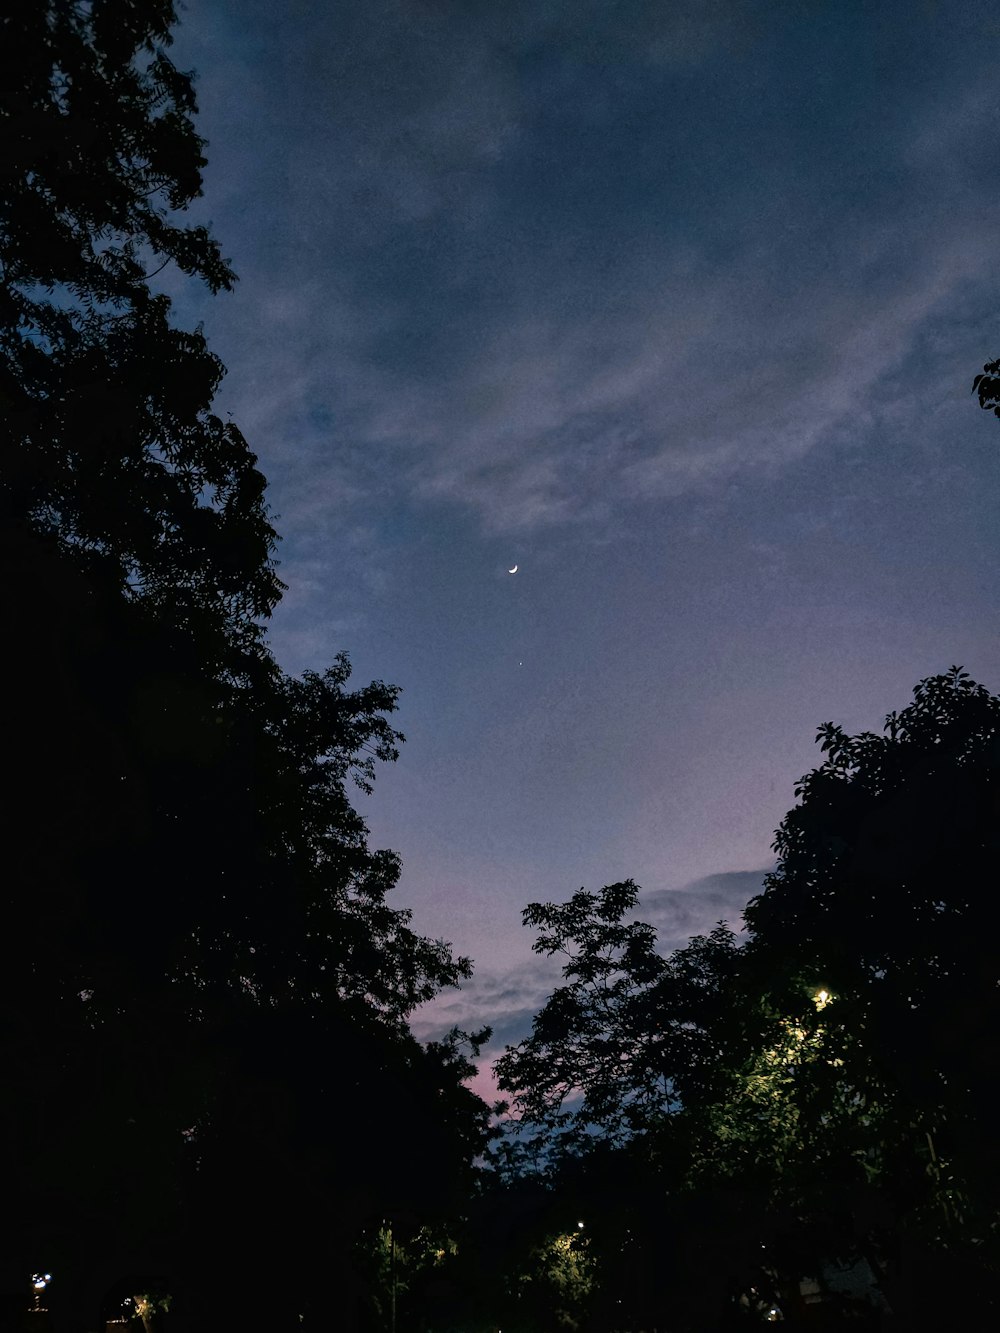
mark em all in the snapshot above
pixel 512 571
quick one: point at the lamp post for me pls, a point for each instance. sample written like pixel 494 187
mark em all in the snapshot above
pixel 39 1281
pixel 392 1278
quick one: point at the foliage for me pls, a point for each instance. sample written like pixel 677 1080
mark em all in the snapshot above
pixel 832 1067
pixel 142 563
pixel 987 387
pixel 613 1049
pixel 205 989
pixel 558 1281
pixel 408 1269
pixel 881 894
pixel 114 453
pixel 520 1262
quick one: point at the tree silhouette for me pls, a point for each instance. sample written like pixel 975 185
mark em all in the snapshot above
pixel 883 895
pixel 113 451
pixel 987 387
pixel 627 1038
pixel 834 1068
pixel 204 988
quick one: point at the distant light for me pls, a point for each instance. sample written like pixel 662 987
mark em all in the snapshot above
pixel 580 1225
pixel 822 998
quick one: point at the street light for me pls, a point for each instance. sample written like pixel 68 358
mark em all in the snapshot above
pixel 39 1281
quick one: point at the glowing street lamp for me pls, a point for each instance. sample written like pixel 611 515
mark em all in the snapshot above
pixel 39 1281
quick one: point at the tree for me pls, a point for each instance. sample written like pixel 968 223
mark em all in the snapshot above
pixel 144 555
pixel 318 1130
pixel 883 894
pixel 987 387
pixel 835 1066
pixel 190 895
pixel 113 453
pixel 143 563
pixel 629 1036
pixel 879 899
pixel 135 531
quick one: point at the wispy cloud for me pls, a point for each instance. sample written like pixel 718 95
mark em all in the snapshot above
pixel 505 1001
pixel 454 293
pixel 678 914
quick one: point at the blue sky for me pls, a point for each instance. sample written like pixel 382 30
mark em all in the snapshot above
pixel 677 306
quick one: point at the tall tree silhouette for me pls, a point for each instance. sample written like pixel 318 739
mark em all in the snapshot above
pixel 189 891
pixel 113 450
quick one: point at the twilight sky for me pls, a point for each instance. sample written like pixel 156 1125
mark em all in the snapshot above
pixel 675 305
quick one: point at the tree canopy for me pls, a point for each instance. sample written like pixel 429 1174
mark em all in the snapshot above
pixel 204 987
pixel 629 1035
pixel 883 895
pixel 835 1061
pixel 114 451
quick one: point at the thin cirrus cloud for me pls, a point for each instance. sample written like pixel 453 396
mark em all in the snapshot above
pixel 425 299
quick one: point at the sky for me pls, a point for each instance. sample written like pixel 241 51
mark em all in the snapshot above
pixel 675 306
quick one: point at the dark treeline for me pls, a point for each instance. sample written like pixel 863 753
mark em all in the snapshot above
pixel 214 1114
